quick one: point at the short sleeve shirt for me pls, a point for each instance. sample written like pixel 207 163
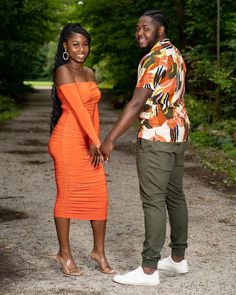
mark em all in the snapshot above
pixel 164 116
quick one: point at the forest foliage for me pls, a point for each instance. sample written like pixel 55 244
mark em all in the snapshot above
pixel 26 29
pixel 211 79
pixel 29 33
pixel 30 30
pixel 192 28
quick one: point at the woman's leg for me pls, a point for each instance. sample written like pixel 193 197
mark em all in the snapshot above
pixel 98 252
pixel 64 256
pixel 99 231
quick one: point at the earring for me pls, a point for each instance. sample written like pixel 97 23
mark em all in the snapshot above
pixel 65 55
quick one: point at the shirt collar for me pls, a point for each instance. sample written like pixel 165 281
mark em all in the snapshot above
pixel 160 44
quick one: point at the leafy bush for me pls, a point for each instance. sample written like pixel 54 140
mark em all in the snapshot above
pixel 6 104
pixel 8 108
pixel 219 161
pixel 215 136
pixel 197 111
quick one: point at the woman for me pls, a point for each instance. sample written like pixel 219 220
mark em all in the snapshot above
pixel 74 146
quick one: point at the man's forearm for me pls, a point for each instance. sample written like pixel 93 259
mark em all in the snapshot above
pixel 128 116
pixel 130 113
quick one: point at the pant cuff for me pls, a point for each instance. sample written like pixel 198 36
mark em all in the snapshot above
pixel 178 252
pixel 148 263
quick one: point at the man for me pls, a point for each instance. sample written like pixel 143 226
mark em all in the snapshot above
pixel 158 100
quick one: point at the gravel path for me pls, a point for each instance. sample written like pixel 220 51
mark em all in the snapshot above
pixel 28 239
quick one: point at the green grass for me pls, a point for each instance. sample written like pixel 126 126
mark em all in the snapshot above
pixel 8 115
pixel 218 157
pixel 103 85
pixel 38 83
pixel 219 161
pixel 216 147
pixel 8 109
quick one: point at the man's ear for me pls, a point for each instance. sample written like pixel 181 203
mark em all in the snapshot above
pixel 161 30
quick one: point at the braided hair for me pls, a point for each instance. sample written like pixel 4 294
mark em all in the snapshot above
pixel 66 33
pixel 158 16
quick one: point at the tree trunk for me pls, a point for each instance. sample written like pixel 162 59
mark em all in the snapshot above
pixel 179 9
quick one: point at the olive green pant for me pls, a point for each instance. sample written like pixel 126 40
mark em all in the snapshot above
pixel 160 168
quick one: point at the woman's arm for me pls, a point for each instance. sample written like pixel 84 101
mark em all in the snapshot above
pixel 66 84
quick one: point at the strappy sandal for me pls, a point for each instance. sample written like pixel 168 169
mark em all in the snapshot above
pixel 75 272
pixel 103 265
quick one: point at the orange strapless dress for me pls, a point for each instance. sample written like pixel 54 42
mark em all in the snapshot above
pixel 81 188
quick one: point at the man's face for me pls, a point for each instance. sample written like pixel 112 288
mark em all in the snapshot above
pixel 146 32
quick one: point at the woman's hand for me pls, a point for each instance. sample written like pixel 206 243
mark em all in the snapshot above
pixel 96 155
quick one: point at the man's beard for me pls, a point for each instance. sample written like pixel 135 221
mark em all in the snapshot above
pixel 145 50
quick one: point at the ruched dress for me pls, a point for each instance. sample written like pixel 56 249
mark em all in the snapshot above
pixel 81 187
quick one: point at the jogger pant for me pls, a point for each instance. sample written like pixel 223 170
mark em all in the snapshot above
pixel 160 168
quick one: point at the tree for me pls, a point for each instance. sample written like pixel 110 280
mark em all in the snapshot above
pixel 25 27
pixel 204 52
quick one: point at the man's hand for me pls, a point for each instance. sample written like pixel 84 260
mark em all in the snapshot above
pixel 106 149
pixel 96 155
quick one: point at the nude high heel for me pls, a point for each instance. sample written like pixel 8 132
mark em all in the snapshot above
pixel 75 272
pixel 103 265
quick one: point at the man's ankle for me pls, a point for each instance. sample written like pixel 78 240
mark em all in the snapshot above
pixel 148 270
pixel 177 258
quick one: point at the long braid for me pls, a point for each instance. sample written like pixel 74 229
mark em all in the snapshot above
pixel 66 32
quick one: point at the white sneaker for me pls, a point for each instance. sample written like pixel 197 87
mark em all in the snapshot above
pixel 138 277
pixel 169 264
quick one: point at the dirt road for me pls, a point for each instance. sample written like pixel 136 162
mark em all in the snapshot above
pixel 28 238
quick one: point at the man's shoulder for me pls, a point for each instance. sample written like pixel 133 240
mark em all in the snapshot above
pixel 150 58
pixel 171 47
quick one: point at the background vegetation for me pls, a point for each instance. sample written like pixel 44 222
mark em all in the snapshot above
pixel 30 29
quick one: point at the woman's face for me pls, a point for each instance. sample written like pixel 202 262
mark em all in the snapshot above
pixel 146 32
pixel 78 47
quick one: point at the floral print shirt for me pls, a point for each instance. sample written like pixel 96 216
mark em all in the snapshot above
pixel 164 116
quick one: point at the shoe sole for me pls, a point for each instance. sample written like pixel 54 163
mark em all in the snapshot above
pixel 173 270
pixel 136 284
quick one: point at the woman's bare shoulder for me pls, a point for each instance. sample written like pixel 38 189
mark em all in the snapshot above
pixel 90 74
pixel 63 76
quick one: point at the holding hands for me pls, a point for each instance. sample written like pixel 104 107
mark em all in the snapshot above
pixel 101 154
pixel 107 148
pixel 126 119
